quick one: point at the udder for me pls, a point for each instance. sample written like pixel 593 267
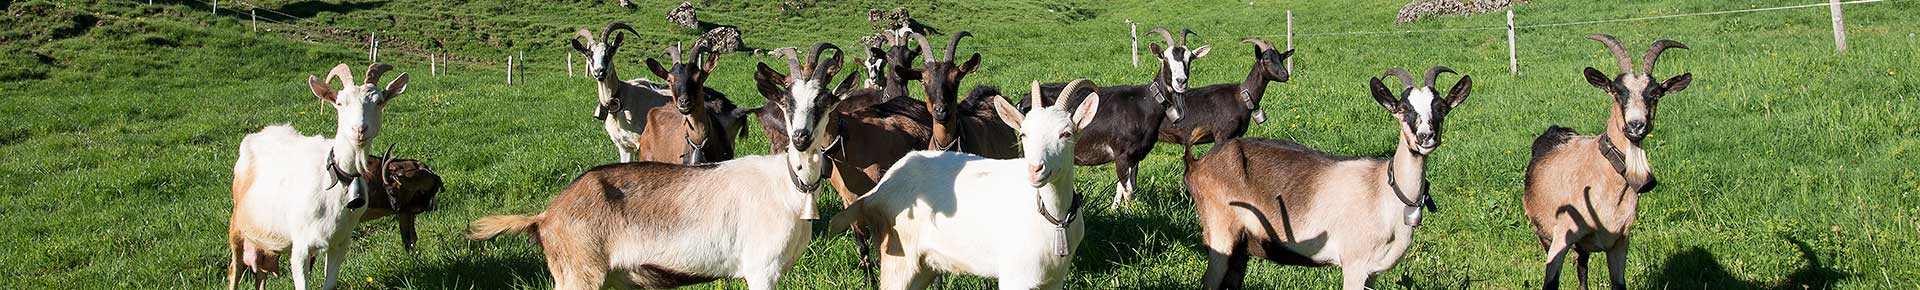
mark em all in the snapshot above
pixel 260 260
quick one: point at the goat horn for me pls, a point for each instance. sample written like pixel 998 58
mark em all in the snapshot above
pixel 1653 53
pixel 1183 35
pixel 926 51
pixel 374 71
pixel 617 26
pixel 1434 73
pixel 1262 44
pixel 384 163
pixel 955 43
pixel 1163 34
pixel 674 52
pixel 1406 79
pixel 793 58
pixel 698 50
pixel 586 33
pixel 343 72
pixel 1035 99
pixel 814 60
pixel 1619 52
pixel 1073 86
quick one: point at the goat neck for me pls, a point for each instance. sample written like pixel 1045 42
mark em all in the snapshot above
pixel 1404 180
pixel 1638 170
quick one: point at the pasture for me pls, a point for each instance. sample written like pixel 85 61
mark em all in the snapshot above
pixel 1784 166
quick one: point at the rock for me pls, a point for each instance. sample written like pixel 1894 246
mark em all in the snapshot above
pixel 1418 9
pixel 684 16
pixel 722 39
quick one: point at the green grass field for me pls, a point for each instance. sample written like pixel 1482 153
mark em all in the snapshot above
pixel 1784 165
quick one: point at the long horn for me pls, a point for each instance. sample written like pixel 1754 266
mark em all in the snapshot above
pixel 1619 52
pixel 793 59
pixel 616 26
pixel 1183 35
pixel 374 71
pixel 814 60
pixel 1434 73
pixel 386 161
pixel 1653 53
pixel 1262 44
pixel 955 43
pixel 926 51
pixel 342 72
pixel 1074 86
pixel 586 33
pixel 1406 79
pixel 1163 34
pixel 674 52
pixel 1035 99
pixel 698 50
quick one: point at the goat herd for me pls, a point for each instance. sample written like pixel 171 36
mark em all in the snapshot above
pixel 938 184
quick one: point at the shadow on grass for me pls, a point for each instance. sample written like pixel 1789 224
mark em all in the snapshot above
pixel 308 9
pixel 479 271
pixel 1698 269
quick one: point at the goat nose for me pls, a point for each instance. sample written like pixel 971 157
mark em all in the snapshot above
pixel 801 137
pixel 1637 128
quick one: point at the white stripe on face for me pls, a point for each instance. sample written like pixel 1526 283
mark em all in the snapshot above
pixel 1422 101
pixel 1178 65
pixel 804 93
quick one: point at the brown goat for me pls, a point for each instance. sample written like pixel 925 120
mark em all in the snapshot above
pixel 1583 192
pixel 1294 205
pixel 883 125
pixel 641 124
pixel 969 125
pixel 407 189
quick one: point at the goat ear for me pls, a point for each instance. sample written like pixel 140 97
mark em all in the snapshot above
pixel 1460 91
pixel 846 84
pixel 321 89
pixel 1083 116
pixel 1598 79
pixel 580 47
pixel 660 71
pixel 1284 55
pixel 1384 96
pixel 1156 49
pixel 394 88
pixel 1008 113
pixel 972 63
pixel 1202 51
pixel 706 65
pixel 771 83
pixel 875 52
pixel 1677 83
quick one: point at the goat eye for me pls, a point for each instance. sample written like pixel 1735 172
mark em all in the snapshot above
pixel 1066 134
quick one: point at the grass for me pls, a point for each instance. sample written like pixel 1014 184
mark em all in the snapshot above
pixel 1784 165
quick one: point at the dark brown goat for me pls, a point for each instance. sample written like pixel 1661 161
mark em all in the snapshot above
pixel 407 189
pixel 1130 116
pixel 883 128
pixel 708 127
pixel 968 125
pixel 1221 112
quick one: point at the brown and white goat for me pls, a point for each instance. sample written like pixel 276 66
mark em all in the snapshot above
pixel 302 194
pixel 710 120
pixel 1583 192
pixel 969 125
pixel 1295 205
pixel 655 225
pixel 1131 116
pixel 636 112
pixel 886 126
pixel 1222 112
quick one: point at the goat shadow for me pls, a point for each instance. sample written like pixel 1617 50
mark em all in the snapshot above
pixel 473 270
pixel 1697 268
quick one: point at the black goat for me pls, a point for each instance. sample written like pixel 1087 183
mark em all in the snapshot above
pixel 1130 117
pixel 1228 107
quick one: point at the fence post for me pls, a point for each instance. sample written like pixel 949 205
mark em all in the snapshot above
pixel 569 65
pixel 522 72
pixel 373 48
pixel 509 69
pixel 216 7
pixel 1839 29
pixel 255 13
pixel 1133 31
pixel 1513 60
pixel 1289 40
pixel 433 64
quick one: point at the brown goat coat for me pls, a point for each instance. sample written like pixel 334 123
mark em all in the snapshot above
pixel 1294 205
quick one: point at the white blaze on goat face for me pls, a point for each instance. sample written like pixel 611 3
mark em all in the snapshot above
pixel 1422 102
pixel 359 108
pixel 1635 107
pixel 806 113
pixel 1177 59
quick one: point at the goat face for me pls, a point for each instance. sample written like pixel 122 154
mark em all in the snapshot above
pixel 1046 132
pixel 359 104
pixel 1268 66
pixel 1422 112
pixel 808 105
pixel 686 79
pixel 1635 94
pixel 599 56
pixel 1175 64
pixel 941 80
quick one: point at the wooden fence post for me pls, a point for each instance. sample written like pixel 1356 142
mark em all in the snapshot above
pixel 1290 40
pixel 216 7
pixel 509 69
pixel 1133 31
pixel 373 48
pixel 1513 60
pixel 569 65
pixel 255 13
pixel 1839 29
pixel 522 70
pixel 433 64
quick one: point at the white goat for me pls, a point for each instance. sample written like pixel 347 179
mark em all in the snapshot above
pixel 624 104
pixel 655 225
pixel 962 213
pixel 305 193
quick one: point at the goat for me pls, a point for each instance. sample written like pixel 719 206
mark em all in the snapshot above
pixel 407 188
pixel 963 213
pixel 971 125
pixel 1134 114
pixel 1295 205
pixel 1229 106
pixel 888 126
pixel 686 82
pixel 636 114
pixel 1582 192
pixel 655 225
pixel 301 194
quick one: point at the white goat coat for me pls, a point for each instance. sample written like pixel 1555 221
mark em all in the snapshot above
pixel 292 202
pixel 963 213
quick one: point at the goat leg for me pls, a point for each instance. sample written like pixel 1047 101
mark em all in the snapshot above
pixel 1580 267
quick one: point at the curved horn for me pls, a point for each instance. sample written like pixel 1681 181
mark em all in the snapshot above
pixel 585 33
pixel 616 26
pixel 793 58
pixel 926 51
pixel 700 49
pixel 1183 35
pixel 343 72
pixel 955 43
pixel 674 52
pixel 1653 53
pixel 384 163
pixel 1074 86
pixel 814 60
pixel 1406 79
pixel 1434 73
pixel 374 71
pixel 1262 44
pixel 1163 34
pixel 1619 52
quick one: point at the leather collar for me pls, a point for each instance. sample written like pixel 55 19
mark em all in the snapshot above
pixel 1619 161
pixel 359 198
pixel 1422 200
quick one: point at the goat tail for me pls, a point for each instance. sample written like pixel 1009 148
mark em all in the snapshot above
pixel 488 227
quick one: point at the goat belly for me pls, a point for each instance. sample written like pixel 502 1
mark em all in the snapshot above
pixel 1279 253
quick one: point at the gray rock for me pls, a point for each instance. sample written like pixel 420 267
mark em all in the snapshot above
pixel 1419 9
pixel 684 16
